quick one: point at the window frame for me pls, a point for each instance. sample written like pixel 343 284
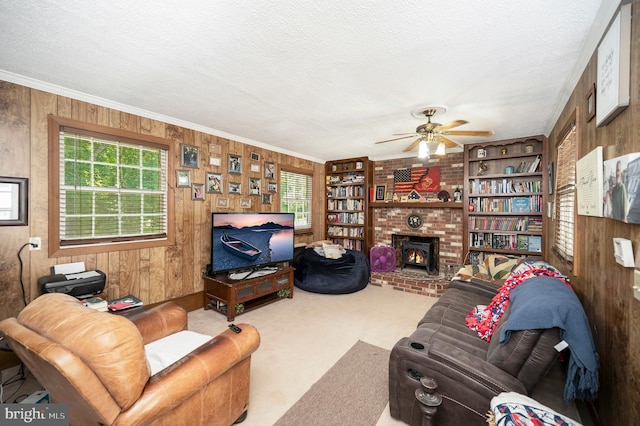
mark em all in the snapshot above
pixel 310 175
pixel 55 124
pixel 566 190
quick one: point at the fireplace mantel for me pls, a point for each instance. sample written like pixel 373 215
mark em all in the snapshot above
pixel 417 205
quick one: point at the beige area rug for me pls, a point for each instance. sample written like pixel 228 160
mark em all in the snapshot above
pixel 353 392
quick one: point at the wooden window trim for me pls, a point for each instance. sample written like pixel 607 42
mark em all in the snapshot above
pixel 55 249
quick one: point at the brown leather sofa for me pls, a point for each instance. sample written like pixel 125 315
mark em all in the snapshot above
pixel 95 362
pixel 468 370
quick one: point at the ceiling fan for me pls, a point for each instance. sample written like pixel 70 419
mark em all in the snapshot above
pixel 436 133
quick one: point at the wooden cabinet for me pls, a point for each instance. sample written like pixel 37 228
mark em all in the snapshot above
pixel 235 296
pixel 348 211
pixel 505 189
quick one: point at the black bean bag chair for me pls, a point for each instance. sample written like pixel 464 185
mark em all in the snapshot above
pixel 317 274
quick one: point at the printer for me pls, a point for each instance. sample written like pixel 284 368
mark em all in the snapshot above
pixel 77 284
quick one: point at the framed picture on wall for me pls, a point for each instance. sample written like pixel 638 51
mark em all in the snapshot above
pixel 235 188
pixel 255 186
pixel 183 179
pixel 266 198
pixel 197 191
pixel 269 170
pixel 222 203
pixel 214 183
pixel 235 164
pixel 245 203
pixel 189 156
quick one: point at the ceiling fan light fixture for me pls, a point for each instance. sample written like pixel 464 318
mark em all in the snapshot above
pixel 441 149
pixel 423 149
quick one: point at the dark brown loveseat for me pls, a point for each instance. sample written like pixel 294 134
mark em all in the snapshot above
pixel 468 370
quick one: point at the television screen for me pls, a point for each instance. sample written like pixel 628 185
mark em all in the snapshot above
pixel 250 240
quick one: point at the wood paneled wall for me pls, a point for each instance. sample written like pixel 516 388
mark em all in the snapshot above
pixel 604 287
pixel 155 274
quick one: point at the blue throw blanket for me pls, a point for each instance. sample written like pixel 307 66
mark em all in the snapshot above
pixel 546 302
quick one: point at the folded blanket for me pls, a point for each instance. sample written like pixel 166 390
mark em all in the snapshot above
pixel 547 302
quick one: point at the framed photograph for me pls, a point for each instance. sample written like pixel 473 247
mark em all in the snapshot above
pixel 214 183
pixel 380 192
pixel 245 203
pixel 197 191
pixel 214 161
pixel 255 186
pixel 613 69
pixel 255 167
pixel 551 177
pixel 266 198
pixel 14 193
pixel 183 179
pixel 235 164
pixel 269 170
pixel 222 202
pixel 189 156
pixel 255 156
pixel 215 149
pixel 235 188
pixel 272 187
pixel 590 105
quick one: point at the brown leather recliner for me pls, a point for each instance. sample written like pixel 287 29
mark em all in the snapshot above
pixel 95 362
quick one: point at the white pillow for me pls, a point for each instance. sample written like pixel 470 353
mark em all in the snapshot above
pixel 331 251
pixel 164 352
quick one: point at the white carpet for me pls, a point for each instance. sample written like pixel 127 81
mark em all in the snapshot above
pixel 303 337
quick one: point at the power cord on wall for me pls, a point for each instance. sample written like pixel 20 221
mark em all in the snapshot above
pixel 24 297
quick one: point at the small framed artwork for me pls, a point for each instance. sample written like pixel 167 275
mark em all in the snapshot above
pixel 266 198
pixel 183 179
pixel 197 191
pixel 14 195
pixel 590 106
pixel 269 170
pixel 245 203
pixel 255 156
pixel 255 186
pixel 222 203
pixel 272 187
pixel 189 156
pixel 235 164
pixel 551 177
pixel 380 192
pixel 235 188
pixel 214 161
pixel 255 167
pixel 214 148
pixel 214 183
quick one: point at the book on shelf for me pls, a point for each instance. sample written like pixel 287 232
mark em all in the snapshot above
pixel 122 303
pixel 535 243
pixel 523 242
pixel 95 303
pixel 521 204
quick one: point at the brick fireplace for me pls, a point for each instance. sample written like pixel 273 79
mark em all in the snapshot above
pixel 442 227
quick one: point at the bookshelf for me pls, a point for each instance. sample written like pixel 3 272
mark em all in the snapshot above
pixel 348 210
pixel 505 199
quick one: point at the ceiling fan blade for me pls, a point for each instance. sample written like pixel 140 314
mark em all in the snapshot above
pixel 448 143
pixel 413 145
pixel 397 139
pixel 470 133
pixel 451 125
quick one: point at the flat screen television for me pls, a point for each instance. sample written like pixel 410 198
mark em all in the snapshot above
pixel 249 241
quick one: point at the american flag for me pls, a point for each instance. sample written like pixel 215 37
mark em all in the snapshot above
pixel 421 179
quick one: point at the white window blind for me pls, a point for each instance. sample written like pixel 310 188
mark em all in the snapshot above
pixel 110 190
pixel 296 196
pixel 565 196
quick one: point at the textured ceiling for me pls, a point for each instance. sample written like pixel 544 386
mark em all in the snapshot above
pixel 322 80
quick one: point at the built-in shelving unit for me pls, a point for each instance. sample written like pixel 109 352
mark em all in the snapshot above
pixel 348 212
pixel 505 197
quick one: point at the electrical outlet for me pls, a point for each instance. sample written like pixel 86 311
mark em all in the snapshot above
pixel 636 284
pixel 36 243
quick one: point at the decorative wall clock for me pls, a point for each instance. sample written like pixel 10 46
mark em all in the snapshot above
pixel 414 221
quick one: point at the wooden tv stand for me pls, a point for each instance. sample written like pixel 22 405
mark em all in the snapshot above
pixel 223 294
